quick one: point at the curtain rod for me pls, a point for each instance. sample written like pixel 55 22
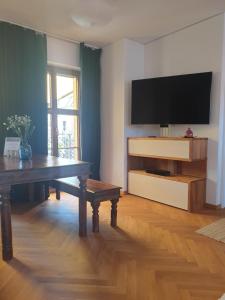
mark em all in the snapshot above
pixel 59 37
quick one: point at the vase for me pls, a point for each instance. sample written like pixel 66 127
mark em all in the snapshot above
pixel 25 151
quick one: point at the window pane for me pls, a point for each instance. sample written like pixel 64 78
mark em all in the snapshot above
pixel 50 152
pixel 67 92
pixel 71 153
pixel 49 134
pixel 67 131
pixel 49 90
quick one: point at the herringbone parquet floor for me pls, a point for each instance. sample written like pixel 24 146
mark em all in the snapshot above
pixel 155 254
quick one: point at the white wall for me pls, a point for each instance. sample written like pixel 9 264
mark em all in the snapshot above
pixel 112 114
pixel 221 152
pixel 63 53
pixel 120 63
pixel 194 49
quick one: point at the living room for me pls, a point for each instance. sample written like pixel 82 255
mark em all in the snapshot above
pixel 167 233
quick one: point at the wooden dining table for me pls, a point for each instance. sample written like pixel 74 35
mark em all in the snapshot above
pixel 38 169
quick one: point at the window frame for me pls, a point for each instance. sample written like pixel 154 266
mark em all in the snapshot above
pixel 54 111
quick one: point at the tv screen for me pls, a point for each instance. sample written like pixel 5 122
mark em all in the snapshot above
pixel 182 99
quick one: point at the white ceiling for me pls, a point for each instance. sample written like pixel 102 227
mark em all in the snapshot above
pixel 105 21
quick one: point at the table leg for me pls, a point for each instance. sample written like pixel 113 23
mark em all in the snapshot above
pixel 31 192
pixel 47 192
pixel 82 206
pixel 7 249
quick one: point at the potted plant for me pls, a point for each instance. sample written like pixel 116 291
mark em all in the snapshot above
pixel 23 128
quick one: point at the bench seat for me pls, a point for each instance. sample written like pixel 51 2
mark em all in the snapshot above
pixel 97 192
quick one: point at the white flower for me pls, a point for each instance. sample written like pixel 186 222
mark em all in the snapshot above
pixel 21 126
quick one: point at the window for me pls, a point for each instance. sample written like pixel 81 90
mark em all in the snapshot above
pixel 63 112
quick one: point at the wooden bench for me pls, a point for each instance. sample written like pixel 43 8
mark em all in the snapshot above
pixel 97 192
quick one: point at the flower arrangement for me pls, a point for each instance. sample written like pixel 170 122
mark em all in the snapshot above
pixel 21 126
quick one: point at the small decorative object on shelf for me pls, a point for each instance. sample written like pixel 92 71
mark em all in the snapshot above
pixel 189 133
pixel 23 128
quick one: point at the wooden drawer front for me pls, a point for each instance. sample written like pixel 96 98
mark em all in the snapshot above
pixel 160 148
pixel 159 189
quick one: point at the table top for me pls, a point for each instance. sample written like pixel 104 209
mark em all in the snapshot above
pixel 37 162
pixel 40 168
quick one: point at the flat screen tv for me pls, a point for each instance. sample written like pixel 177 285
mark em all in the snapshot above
pixel 182 99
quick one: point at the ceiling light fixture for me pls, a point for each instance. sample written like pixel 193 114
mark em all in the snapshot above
pixel 83 22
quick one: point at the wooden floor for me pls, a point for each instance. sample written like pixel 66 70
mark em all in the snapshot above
pixel 154 254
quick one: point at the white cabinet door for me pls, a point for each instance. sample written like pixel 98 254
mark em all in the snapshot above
pixel 159 189
pixel 175 149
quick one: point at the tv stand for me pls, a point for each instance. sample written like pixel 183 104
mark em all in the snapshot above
pixel 185 159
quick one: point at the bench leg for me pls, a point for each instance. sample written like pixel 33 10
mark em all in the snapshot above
pixel 114 212
pixel 47 192
pixel 95 216
pixel 57 191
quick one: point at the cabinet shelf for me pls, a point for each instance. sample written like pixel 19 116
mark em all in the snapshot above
pixel 186 159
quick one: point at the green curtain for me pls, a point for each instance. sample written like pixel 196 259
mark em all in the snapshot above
pixel 23 69
pixel 90 107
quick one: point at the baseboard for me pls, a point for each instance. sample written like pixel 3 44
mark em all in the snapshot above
pixel 212 206
pixel 123 193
